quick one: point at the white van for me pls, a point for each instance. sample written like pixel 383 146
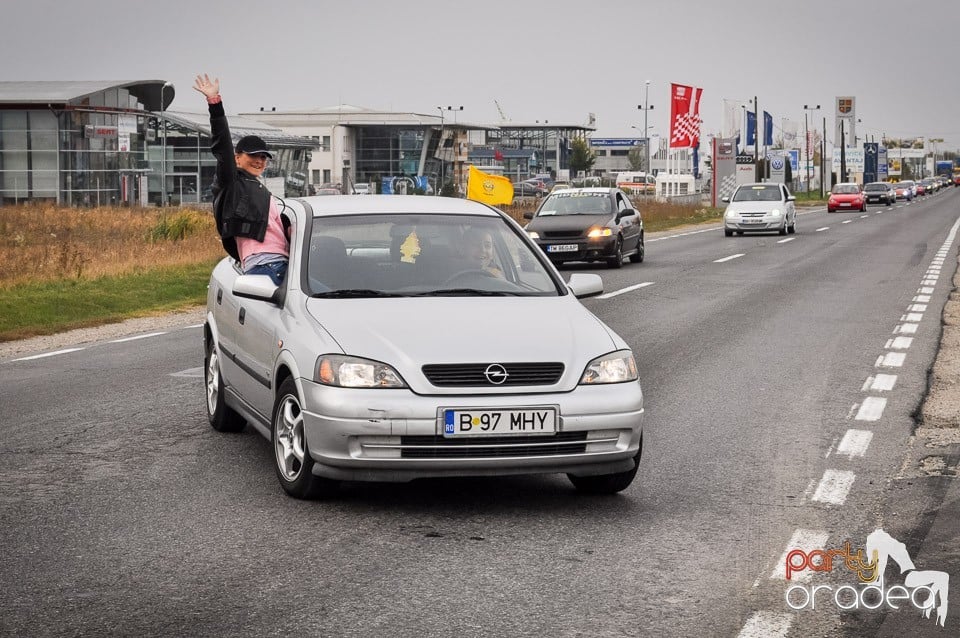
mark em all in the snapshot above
pixel 637 182
pixel 362 189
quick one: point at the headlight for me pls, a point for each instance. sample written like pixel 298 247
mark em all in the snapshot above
pixel 532 234
pixel 729 214
pixel 599 232
pixel 616 367
pixel 353 372
pixel 775 212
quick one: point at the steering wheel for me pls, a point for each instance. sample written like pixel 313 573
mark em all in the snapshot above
pixel 469 274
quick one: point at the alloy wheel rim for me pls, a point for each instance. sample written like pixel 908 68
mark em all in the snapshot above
pixel 213 382
pixel 289 439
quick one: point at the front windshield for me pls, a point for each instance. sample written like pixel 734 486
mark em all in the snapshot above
pixel 757 194
pixel 422 255
pixel 845 189
pixel 576 203
pixel 875 187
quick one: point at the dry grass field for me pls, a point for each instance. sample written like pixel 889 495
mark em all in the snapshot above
pixel 40 243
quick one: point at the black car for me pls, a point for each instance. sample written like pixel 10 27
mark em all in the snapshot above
pixel 588 224
pixel 880 192
pixel 527 189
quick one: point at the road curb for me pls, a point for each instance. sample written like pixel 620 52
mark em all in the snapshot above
pixel 941 408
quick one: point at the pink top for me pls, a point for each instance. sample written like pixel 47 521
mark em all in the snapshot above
pixel 274 241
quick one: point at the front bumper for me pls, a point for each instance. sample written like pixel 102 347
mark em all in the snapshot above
pixel 396 435
pixel 748 224
pixel 560 250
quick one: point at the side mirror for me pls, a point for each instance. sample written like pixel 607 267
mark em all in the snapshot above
pixel 791 198
pixel 725 199
pixel 259 287
pixel 584 285
pixel 528 215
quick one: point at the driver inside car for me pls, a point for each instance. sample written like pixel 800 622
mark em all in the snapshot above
pixel 477 250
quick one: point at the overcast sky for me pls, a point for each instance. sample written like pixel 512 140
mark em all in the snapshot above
pixel 555 60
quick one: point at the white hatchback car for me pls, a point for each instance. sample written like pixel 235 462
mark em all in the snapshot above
pixel 760 207
pixel 420 337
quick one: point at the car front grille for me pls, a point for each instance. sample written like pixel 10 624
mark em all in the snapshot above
pixel 438 447
pixel 475 374
pixel 562 234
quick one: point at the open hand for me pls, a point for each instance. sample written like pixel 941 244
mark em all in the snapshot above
pixel 207 86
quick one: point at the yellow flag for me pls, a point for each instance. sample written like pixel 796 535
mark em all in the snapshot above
pixel 489 189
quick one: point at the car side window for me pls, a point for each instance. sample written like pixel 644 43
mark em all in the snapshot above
pixel 621 204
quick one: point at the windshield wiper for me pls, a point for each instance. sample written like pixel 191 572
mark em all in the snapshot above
pixel 463 292
pixel 354 292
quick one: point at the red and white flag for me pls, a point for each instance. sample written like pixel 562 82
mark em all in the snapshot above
pixel 684 116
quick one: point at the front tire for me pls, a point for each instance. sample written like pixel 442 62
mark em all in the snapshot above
pixel 607 483
pixel 291 455
pixel 617 260
pixel 638 256
pixel 222 417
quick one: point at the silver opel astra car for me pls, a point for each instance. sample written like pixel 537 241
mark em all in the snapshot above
pixel 419 337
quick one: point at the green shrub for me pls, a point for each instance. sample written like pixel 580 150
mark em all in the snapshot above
pixel 174 228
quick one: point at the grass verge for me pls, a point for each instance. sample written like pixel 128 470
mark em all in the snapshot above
pixel 43 308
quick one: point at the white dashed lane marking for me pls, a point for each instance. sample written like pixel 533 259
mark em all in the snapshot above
pixel 834 487
pixel 766 624
pixel 805 539
pixel 891 360
pixel 47 354
pixel 880 383
pixel 854 443
pixel 720 261
pixel 783 241
pixel 627 289
pixel 871 409
pixel 152 334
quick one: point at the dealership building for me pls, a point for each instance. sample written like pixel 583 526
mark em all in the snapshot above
pixel 90 143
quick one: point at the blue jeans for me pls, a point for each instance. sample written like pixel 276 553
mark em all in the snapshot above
pixel 276 270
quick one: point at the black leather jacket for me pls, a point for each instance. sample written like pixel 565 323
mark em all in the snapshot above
pixel 241 203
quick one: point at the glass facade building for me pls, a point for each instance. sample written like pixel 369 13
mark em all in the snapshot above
pixel 96 143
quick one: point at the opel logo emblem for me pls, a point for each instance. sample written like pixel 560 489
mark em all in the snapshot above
pixel 496 373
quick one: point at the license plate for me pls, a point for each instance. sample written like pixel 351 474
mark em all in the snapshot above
pixel 505 422
pixel 562 248
pixel 751 221
pixel 842 204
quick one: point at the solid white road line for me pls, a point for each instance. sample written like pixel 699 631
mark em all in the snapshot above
pixel 834 487
pixel 623 290
pixel 805 539
pixel 47 354
pixel 764 624
pixel 855 443
pixel 871 409
pixel 720 261
pixel 152 334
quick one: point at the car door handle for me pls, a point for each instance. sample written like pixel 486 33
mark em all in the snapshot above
pixel 243 314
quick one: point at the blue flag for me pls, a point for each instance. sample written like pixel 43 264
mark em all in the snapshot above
pixel 767 129
pixel 751 128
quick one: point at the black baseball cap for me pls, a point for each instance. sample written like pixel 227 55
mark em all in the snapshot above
pixel 253 145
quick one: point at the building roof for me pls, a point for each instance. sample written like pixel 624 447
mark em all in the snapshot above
pixel 348 115
pixel 66 92
pixel 240 126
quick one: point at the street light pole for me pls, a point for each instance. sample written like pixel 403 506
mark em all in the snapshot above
pixel 442 151
pixel 806 140
pixel 456 147
pixel 646 108
pixel 756 139
pixel 163 148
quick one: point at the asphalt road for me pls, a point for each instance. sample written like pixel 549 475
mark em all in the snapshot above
pixel 123 513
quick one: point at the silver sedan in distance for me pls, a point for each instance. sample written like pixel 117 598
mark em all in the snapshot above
pixel 761 207
pixel 420 337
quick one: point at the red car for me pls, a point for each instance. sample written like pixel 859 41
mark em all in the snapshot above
pixel 846 196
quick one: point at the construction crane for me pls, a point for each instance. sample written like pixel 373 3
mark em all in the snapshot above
pixel 503 118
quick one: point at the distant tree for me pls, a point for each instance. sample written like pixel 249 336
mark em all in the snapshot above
pixel 636 158
pixel 581 157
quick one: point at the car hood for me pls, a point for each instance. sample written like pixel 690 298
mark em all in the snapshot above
pixel 845 196
pixel 755 207
pixel 408 333
pixel 568 222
